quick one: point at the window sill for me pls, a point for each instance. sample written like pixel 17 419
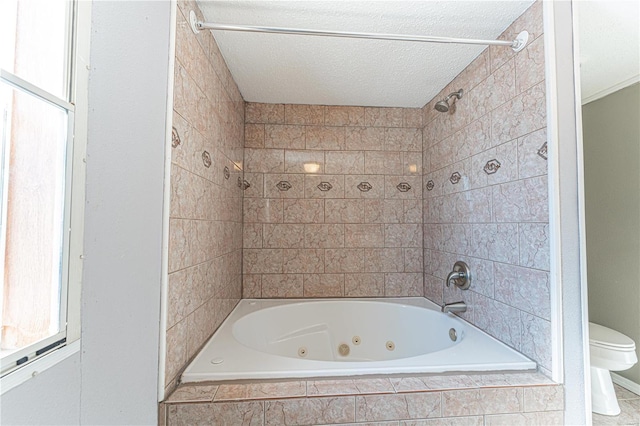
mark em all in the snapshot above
pixel 36 367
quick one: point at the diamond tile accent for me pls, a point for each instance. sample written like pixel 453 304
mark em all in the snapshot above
pixel 492 166
pixel 245 185
pixel 430 185
pixel 542 152
pixel 365 186
pixel 403 187
pixel 226 172
pixel 324 186
pixel 455 178
pixel 206 159
pixel 239 182
pixel 175 138
pixel 283 185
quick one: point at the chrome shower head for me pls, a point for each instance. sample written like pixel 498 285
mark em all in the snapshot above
pixel 443 105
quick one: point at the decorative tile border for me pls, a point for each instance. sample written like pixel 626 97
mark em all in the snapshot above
pixel 455 178
pixel 175 138
pixel 245 185
pixel 492 166
pixel 542 152
pixel 324 186
pixel 430 185
pixel 226 172
pixel 403 187
pixel 365 187
pixel 206 159
pixel 283 185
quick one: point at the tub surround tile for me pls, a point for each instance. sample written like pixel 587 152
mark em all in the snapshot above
pixel 549 418
pixel 309 411
pixel 482 401
pixel 396 407
pixel 255 391
pixel 264 113
pixel 236 413
pixel 191 393
pixel 349 387
pixel 432 382
pixel 546 398
pixel 364 285
pixel 511 379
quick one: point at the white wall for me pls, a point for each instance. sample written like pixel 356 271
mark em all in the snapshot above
pixel 115 377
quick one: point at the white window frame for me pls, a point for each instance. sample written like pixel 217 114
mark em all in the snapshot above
pixel 78 78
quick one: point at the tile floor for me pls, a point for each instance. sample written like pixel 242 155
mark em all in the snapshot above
pixel 630 406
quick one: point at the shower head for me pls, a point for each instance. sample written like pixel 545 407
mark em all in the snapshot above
pixel 443 105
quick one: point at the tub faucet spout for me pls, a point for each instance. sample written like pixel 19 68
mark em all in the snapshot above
pixel 454 307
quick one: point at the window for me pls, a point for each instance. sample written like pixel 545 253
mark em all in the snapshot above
pixel 42 140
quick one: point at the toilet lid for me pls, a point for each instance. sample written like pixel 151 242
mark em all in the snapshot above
pixel 603 336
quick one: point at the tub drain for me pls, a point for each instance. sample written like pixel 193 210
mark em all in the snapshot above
pixel 452 334
pixel 344 349
pixel 390 345
pixel 302 352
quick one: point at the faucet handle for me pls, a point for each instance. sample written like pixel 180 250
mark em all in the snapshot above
pixel 461 276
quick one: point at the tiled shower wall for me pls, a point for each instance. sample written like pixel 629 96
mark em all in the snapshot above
pixel 205 230
pixel 334 204
pixel 485 193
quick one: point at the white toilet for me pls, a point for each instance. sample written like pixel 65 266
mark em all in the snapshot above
pixel 610 351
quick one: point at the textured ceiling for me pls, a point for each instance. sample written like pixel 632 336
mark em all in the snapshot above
pixel 278 68
pixel 609 46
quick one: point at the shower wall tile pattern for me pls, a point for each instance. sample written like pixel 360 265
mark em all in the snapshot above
pixel 485 193
pixel 335 207
pixel 205 229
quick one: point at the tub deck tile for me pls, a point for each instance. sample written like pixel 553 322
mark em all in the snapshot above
pixel 398 407
pixel 257 391
pixel 192 393
pixel 427 383
pixel 310 411
pixel 349 387
pixel 511 379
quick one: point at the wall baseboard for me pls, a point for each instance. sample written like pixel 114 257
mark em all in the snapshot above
pixel 626 383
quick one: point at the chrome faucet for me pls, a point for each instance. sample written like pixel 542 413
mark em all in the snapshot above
pixel 454 307
pixel 460 276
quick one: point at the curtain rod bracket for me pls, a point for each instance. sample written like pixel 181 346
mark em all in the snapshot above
pixel 196 26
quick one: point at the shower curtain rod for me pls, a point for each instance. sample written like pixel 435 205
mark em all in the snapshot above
pixel 517 44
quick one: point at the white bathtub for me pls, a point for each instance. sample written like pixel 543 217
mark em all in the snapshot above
pixel 265 339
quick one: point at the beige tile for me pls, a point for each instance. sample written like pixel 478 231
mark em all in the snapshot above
pixel 403 187
pixel 403 140
pixel 256 185
pixel 483 401
pixel 403 235
pixel 349 387
pixel 364 138
pixel 263 160
pixel 412 117
pixel 254 135
pixel 284 185
pixel 397 407
pixel 343 116
pixel 262 261
pixel 344 260
pixel 251 286
pixel 325 138
pixel 425 383
pixel 226 413
pixel 403 284
pixel 231 392
pixel 521 115
pixel 264 113
pixel 284 136
pixel 369 235
pixel 324 236
pixel 383 117
pixel 304 114
pixel 176 355
pixel 364 186
pixel 304 161
pixel 344 211
pixel 548 418
pixel 252 235
pixel 283 236
pixel 310 411
pixel 543 398
pixel 304 211
pixel 364 285
pixel 383 260
pixel 623 393
pixel 447 421
pixel 192 393
pixel 324 186
pixel 344 162
pixel 282 285
pixel 307 261
pixel 383 163
pixel 323 285
pixel 261 210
